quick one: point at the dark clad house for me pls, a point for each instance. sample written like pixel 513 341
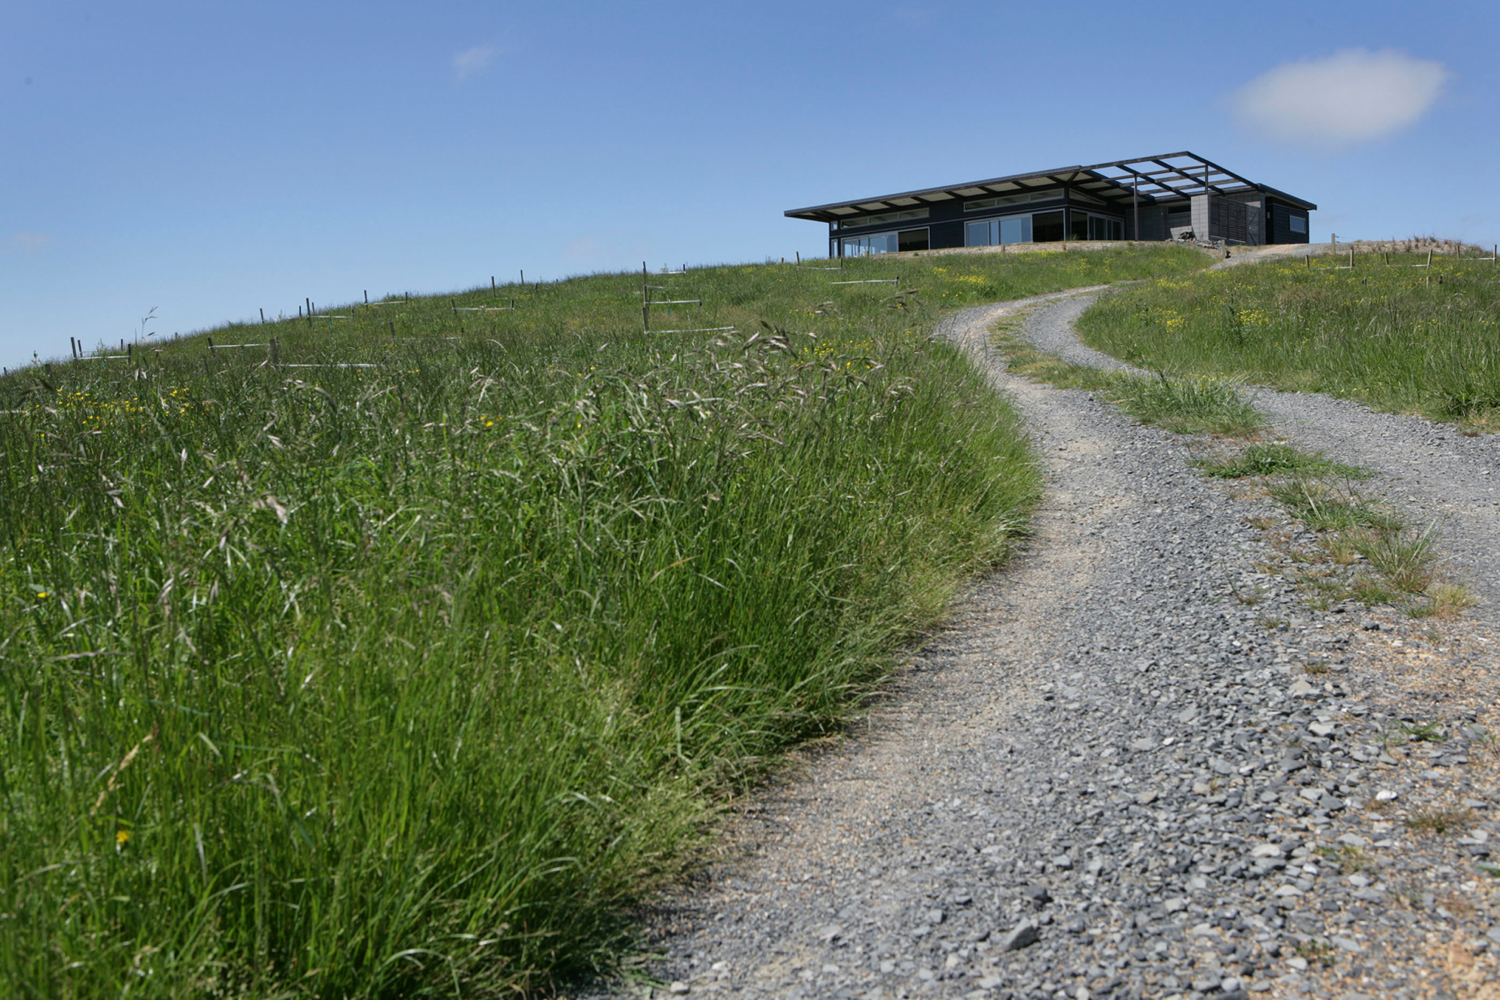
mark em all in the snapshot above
pixel 1150 198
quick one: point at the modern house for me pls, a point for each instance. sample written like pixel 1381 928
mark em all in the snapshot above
pixel 1150 198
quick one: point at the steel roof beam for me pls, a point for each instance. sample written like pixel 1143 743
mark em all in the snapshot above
pixel 1172 180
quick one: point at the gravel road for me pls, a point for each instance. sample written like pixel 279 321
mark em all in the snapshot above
pixel 1135 764
pixel 1431 471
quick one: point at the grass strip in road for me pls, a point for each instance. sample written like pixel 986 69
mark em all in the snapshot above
pixel 1366 553
pixel 1188 405
pixel 1364 550
pixel 1409 339
pixel 408 679
pixel 1404 560
pixel 1278 459
pixel 1328 508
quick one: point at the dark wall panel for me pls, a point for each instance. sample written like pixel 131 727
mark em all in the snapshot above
pixel 1280 223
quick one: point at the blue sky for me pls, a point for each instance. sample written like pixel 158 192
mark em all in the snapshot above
pixel 211 159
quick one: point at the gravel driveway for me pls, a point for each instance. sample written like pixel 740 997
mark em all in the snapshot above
pixel 1429 470
pixel 1116 775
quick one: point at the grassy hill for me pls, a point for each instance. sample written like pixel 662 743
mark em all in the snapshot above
pixel 399 658
pixel 1390 331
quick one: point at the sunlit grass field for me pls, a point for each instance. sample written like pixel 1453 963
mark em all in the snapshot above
pixel 408 679
pixel 1423 340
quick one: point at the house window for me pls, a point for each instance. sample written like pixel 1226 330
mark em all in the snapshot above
pixel 1298 224
pixel 884 219
pixel 1009 199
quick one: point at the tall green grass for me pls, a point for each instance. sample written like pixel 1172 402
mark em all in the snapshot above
pixel 1409 339
pixel 406 680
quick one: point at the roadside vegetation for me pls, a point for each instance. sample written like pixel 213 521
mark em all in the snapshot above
pixel 406 679
pixel 1389 331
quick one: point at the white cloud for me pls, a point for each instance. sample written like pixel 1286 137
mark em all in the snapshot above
pixel 1347 98
pixel 607 247
pixel 33 242
pixel 585 247
pixel 471 61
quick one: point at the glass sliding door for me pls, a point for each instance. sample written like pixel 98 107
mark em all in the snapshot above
pixel 991 232
pixel 1101 227
pixel 1016 229
pixel 1047 227
pixel 1078 225
pixel 912 239
pixel 863 246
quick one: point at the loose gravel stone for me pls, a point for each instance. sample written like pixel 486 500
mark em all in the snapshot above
pixel 1020 936
pixel 1111 778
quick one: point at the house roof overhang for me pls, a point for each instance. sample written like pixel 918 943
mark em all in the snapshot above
pixel 1151 179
